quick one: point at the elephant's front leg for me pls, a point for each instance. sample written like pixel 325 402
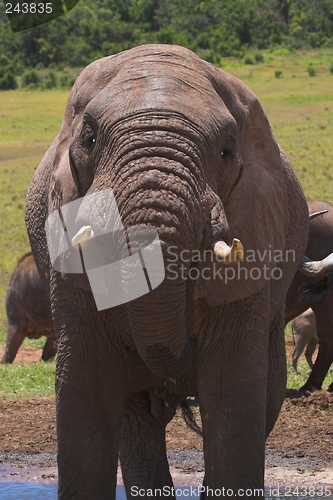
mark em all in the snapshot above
pixel 143 458
pixel 232 386
pixel 90 389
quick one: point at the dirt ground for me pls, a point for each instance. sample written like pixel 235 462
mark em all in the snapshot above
pixel 299 449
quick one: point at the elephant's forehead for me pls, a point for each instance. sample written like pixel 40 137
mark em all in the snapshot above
pixel 172 85
pixel 149 89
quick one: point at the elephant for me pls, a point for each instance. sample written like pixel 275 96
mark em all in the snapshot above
pixel 164 158
pixel 320 245
pixel 28 311
pixel 304 330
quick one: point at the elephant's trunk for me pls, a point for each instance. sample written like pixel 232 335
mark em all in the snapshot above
pixel 160 335
pixel 317 269
pixel 164 195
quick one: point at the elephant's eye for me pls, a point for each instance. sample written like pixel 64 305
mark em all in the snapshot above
pixel 227 153
pixel 228 149
pixel 88 138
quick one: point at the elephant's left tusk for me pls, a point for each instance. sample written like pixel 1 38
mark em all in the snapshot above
pixel 229 255
pixel 316 214
pixel 82 236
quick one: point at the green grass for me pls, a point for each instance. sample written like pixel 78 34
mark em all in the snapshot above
pixel 30 381
pixel 37 379
pixel 296 380
pixel 29 121
pixel 300 110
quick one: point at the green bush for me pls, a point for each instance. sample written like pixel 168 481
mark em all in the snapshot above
pixel 50 80
pixel 311 70
pixel 30 78
pixel 278 73
pixel 7 74
pixel 7 80
pixel 248 60
pixel 66 81
pixel 331 68
pixel 4 61
pixel 212 57
pixel 258 57
pixel 281 51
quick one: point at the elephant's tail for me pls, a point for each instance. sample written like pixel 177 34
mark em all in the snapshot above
pixel 189 417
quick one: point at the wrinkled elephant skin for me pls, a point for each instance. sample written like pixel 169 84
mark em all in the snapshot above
pixel 175 145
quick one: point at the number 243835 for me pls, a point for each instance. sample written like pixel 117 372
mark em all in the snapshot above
pixel 29 8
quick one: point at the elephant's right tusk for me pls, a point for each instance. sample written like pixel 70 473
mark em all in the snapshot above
pixel 229 255
pixel 85 234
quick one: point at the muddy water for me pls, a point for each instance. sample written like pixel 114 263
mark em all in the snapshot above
pixel 28 491
pixel 34 477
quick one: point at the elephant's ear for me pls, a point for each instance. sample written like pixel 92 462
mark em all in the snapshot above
pixel 257 209
pixel 51 187
pixel 53 184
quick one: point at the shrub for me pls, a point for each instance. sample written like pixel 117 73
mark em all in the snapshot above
pixel 217 60
pixel 212 57
pixel 7 74
pixel 248 60
pixel 311 70
pixel 66 81
pixel 16 68
pixel 278 73
pixel 30 78
pixel 4 61
pixel 50 80
pixel 258 57
pixel 281 51
pixel 7 80
pixel 331 68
